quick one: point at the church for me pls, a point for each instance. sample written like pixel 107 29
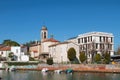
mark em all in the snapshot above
pixel 40 50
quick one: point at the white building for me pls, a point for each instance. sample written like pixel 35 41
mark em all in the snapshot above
pixel 18 51
pixel 99 41
pixel 92 43
pixel 4 51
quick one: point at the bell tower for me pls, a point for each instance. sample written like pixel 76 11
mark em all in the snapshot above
pixel 44 33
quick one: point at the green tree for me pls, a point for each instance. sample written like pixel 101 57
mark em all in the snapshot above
pixel 50 61
pixel 97 58
pixel 82 57
pixel 10 43
pixel 71 54
pixel 106 58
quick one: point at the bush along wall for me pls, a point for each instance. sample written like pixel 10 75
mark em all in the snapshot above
pixel 50 61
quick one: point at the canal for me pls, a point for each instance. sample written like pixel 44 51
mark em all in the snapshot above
pixel 38 75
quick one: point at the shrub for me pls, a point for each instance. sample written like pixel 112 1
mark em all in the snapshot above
pixel 82 57
pixel 31 59
pixel 97 58
pixel 71 54
pixel 50 61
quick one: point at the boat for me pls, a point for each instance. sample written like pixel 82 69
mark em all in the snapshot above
pixel 44 70
pixel 69 71
pixel 58 71
pixel 12 68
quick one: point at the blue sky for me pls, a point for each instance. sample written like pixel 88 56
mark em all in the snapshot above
pixel 21 20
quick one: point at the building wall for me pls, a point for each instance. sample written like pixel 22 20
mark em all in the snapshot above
pixel 59 52
pixel 16 50
pixel 4 53
pixel 45 46
pixel 24 49
pixel 35 50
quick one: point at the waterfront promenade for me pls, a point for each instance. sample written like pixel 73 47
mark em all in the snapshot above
pixel 78 67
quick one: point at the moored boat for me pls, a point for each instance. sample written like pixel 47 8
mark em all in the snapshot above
pixel 44 70
pixel 58 71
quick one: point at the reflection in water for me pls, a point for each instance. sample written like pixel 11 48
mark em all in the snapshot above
pixel 38 75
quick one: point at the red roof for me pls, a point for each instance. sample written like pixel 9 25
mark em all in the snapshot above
pixel 35 51
pixel 50 40
pixel 6 48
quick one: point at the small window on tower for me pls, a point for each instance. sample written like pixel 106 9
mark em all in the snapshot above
pixel 44 34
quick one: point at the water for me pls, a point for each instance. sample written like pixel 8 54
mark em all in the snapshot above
pixel 38 75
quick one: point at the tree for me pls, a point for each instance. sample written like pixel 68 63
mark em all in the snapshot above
pixel 71 54
pixel 10 43
pixel 50 61
pixel 106 58
pixel 82 57
pixel 93 50
pixel 97 58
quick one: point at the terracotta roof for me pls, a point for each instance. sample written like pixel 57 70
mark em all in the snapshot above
pixel 6 48
pixel 35 51
pixel 50 40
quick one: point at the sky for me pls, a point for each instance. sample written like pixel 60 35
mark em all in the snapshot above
pixel 21 20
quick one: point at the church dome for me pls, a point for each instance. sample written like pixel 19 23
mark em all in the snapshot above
pixel 44 28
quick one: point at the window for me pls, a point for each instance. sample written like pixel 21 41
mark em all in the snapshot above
pixel 104 39
pixel 96 46
pixel 82 40
pixel 1 52
pixel 44 34
pixel 16 50
pixel 81 47
pixel 79 40
pixel 91 38
pixel 88 46
pixel 111 39
pixel 100 39
pixel 101 46
pixel 110 46
pixel 85 40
